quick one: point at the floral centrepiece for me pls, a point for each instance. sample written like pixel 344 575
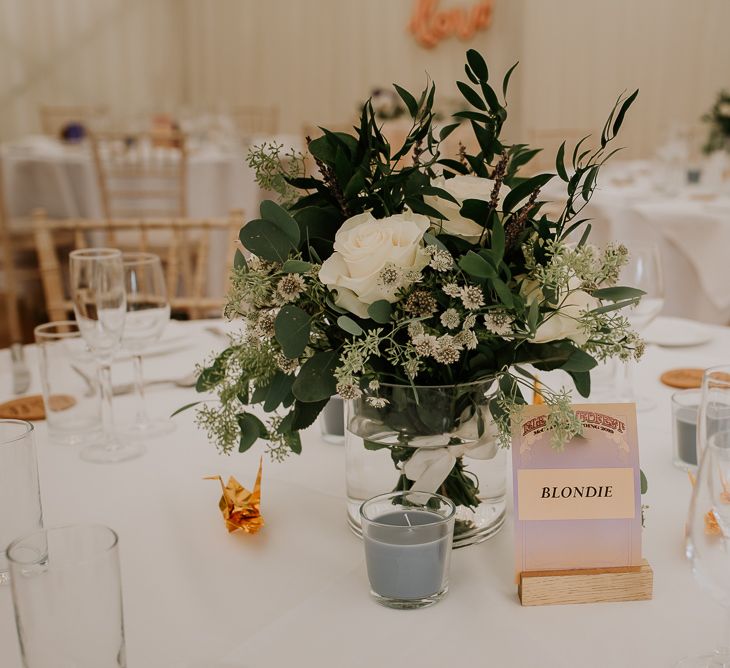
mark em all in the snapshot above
pixel 397 268
pixel 718 118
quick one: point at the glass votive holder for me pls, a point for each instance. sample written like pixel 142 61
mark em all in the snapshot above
pixel 68 376
pixel 408 537
pixel 332 421
pixel 685 407
pixel 20 494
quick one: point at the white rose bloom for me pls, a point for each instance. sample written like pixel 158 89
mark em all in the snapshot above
pixel 462 187
pixel 724 109
pixel 363 247
pixel 565 323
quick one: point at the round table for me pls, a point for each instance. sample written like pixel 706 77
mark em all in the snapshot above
pixel 296 593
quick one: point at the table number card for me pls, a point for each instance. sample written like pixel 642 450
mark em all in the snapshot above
pixel 579 507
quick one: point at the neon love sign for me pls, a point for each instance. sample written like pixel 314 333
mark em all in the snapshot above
pixel 430 26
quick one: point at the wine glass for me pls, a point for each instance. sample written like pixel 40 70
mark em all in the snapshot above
pixel 708 537
pixel 100 304
pixel 714 411
pixel 643 271
pixel 148 311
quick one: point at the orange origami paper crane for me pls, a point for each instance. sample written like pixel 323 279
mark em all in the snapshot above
pixel 241 509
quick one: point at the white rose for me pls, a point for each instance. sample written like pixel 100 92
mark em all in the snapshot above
pixel 565 322
pixel 363 247
pixel 724 109
pixel 462 187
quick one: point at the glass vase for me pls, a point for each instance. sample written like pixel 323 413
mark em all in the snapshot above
pixel 428 438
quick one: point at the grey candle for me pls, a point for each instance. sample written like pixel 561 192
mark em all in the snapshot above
pixel 685 406
pixel 408 537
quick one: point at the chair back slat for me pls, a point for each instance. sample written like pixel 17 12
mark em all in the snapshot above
pixel 141 175
pixel 185 257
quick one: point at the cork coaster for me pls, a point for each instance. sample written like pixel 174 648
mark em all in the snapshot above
pixel 31 407
pixel 684 379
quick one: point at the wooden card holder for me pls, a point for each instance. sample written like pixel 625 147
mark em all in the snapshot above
pixel 590 585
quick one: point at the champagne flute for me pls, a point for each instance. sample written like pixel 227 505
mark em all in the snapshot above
pixel 148 311
pixel 708 538
pixel 643 271
pixel 100 304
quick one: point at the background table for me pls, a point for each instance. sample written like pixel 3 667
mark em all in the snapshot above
pixel 43 172
pixel 297 592
pixel 690 224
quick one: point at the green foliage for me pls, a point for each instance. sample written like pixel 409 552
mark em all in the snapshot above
pixel 472 312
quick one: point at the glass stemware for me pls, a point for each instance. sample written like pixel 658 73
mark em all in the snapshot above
pixel 643 271
pixel 100 304
pixel 148 311
pixel 708 538
pixel 714 412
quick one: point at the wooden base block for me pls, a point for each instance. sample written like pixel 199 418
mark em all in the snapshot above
pixel 591 585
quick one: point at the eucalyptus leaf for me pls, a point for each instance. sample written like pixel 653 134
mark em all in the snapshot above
pixel 292 328
pixel 296 267
pixel 617 293
pixel 349 325
pixel 315 380
pixel 380 311
pixel 184 408
pixel 251 430
pixel 279 389
pixel 475 265
pixel 282 219
pixel 266 241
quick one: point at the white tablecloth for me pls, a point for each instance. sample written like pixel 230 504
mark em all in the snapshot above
pixel 297 592
pixel 691 227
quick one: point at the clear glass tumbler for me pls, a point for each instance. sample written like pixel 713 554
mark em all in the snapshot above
pixel 408 537
pixel 70 390
pixel 68 597
pixel 20 496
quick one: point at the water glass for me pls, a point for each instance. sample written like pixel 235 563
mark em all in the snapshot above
pixel 644 271
pixel 20 495
pixel 708 538
pixel 148 311
pixel 70 391
pixel 408 538
pixel 685 408
pixel 100 305
pixel 67 595
pixel 714 414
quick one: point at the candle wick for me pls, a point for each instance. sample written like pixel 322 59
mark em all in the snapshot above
pixel 407 519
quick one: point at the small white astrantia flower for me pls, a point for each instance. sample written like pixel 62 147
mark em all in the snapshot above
pixel 290 287
pixel 377 402
pixel 498 323
pixel 451 289
pixel 472 297
pixel 450 318
pixel 447 350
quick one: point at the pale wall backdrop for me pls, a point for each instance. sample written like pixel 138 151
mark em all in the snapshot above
pixel 316 59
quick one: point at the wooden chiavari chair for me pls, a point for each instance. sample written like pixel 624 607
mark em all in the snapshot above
pixel 55 118
pixel 251 120
pixel 188 237
pixel 142 175
pixel 7 265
